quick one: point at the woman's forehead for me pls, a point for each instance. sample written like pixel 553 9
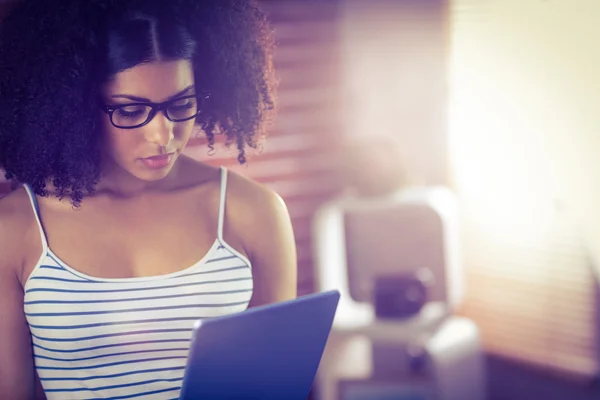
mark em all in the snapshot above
pixel 155 81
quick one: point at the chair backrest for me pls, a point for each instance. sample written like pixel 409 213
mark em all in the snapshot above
pixel 357 240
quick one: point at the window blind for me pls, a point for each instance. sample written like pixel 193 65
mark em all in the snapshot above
pixel 521 145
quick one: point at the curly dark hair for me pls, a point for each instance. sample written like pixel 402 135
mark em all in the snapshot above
pixel 54 55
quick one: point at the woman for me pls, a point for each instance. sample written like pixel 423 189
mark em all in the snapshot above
pixel 115 242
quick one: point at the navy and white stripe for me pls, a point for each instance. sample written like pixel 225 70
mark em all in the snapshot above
pixel 126 338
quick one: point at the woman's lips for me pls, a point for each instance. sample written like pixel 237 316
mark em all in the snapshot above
pixel 158 162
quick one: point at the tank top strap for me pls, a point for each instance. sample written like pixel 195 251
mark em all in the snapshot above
pixel 223 196
pixel 36 211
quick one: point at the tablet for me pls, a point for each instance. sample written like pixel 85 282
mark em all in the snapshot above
pixel 270 352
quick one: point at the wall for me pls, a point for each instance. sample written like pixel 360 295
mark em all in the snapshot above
pixel 394 60
pixel 524 138
pixel 525 104
pixel 511 381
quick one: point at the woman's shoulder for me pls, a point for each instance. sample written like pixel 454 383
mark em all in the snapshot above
pixel 15 213
pixel 17 229
pixel 257 212
pixel 251 206
pixel 250 195
pixel 260 217
pixel 242 192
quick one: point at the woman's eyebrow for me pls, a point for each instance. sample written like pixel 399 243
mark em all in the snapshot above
pixel 144 100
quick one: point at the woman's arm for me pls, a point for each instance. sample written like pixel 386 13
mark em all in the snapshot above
pixel 273 254
pixel 17 375
pixel 259 217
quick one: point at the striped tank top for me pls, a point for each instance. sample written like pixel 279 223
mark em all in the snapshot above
pixel 96 338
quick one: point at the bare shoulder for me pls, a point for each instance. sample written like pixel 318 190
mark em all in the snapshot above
pixel 254 201
pixel 244 196
pixel 260 218
pixel 17 223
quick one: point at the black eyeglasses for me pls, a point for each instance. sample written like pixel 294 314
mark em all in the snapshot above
pixel 135 115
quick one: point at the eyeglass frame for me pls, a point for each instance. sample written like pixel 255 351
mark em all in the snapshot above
pixel 155 108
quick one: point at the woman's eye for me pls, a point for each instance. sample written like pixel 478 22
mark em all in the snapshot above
pixel 183 103
pixel 131 111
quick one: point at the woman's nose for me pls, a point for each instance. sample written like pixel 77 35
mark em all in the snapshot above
pixel 160 130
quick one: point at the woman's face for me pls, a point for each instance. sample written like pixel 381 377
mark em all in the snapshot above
pixel 150 151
